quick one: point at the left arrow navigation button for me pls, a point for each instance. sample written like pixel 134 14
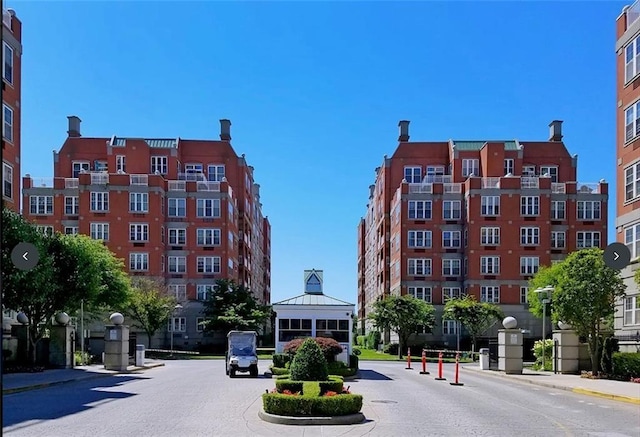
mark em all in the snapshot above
pixel 25 256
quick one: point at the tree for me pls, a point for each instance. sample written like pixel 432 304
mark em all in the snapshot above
pixel 585 293
pixel 403 315
pixel 71 268
pixel 232 307
pixel 546 276
pixel 475 316
pixel 150 306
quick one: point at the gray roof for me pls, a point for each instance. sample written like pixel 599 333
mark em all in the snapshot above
pixel 477 145
pixel 154 143
pixel 313 299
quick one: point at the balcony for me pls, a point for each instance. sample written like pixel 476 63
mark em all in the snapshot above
pixel 558 188
pixel 99 178
pixel 633 13
pixel 529 182
pixel 192 176
pixel 139 179
pixel 71 183
pixel 452 187
pixel 490 182
pixel 420 188
pixel 6 19
pixel 208 186
pixel 41 182
pixel 177 186
pixel 437 179
pixel 587 188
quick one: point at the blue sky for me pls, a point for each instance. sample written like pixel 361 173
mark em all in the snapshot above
pixel 315 92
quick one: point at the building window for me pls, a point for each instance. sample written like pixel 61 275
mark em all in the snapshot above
pixel 179 291
pixel 71 205
pixel 177 264
pixel 558 208
pixel 451 239
pixel 631 310
pixel 41 205
pixel 632 122
pixel 450 293
pixel 78 167
pixel 215 173
pixel 138 262
pixel 632 240
pixel 71 230
pixel 470 167
pixel 509 166
pixel 208 264
pixel 200 324
pixel 99 201
pixel 451 210
pixel 422 293
pixel 551 171
pixel 419 267
pixel 451 267
pixel 529 205
pixel 558 240
pixel 490 294
pixel 587 239
pixel 529 265
pixel 7 63
pixel 177 324
pixel 7 123
pixel 632 59
pixel 490 265
pixel 177 207
pixel 589 210
pixel 158 165
pixel 523 295
pixel 490 205
pixel 99 231
pixel 528 170
pixel 413 175
pixel 208 237
pixel 101 166
pixel 209 208
pixel 204 291
pixel 336 329
pixel 449 327
pixel 139 202
pixel 121 164
pixel 490 236
pixel 45 229
pixel 529 236
pixel 419 238
pixel 290 329
pixel 420 209
pixel 138 232
pixel 7 180
pixel 177 237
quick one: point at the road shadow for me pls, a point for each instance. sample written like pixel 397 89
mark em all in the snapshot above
pixel 62 400
pixel 372 375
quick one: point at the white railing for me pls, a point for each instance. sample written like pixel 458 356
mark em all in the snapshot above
pixel 529 182
pixel 420 188
pixel 633 13
pixel 139 179
pixel 558 188
pixel 100 178
pixel 42 182
pixel 177 186
pixel 587 188
pixel 208 186
pixel 193 176
pixel 6 18
pixel 490 182
pixel 437 179
pixel 452 187
pixel 71 183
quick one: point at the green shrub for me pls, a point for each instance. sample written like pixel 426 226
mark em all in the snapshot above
pixel 288 384
pixel 354 361
pixel 347 371
pixel 548 354
pixel 391 348
pixel 609 347
pixel 287 376
pixel 279 371
pixel 80 359
pixel 335 366
pixel 309 363
pixel 326 406
pixel 626 365
pixel 361 340
pixel 373 340
pixel 334 384
pixel 281 360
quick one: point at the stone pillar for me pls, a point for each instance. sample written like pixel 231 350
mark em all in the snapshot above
pixel 566 360
pixel 61 347
pixel 21 334
pixel 510 347
pixel 116 344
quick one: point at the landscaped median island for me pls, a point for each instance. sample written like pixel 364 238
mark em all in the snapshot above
pixel 308 394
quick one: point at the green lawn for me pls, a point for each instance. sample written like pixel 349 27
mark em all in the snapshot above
pixel 372 355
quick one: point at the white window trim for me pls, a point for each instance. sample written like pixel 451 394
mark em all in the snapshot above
pixel 555 240
pixel 530 236
pixel 591 210
pixel 206 205
pixel 470 166
pixel 529 265
pixel 635 182
pixel 139 261
pixel 183 205
pixel 590 236
pixel 494 290
pixel 529 206
pixel 555 211
pixel 425 240
pixel 210 265
pixel 426 292
pixel 12 62
pixel 9 126
pixel 174 235
pixel 99 203
pixel 490 206
pixel 47 210
pixel 138 232
pixel 427 209
pixel 180 264
pixel 452 267
pixel 7 176
pixel 413 175
pixel 414 265
pixel 97 231
pixel 455 206
pixel 75 205
pixel 490 236
pixel 634 311
pixel 138 202
pixel 454 236
pixel 490 265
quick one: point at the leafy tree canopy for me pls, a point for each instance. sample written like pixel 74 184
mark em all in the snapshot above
pixel 546 276
pixel 476 317
pixel 150 305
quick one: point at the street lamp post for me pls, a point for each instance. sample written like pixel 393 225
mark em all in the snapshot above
pixel 172 325
pixel 545 301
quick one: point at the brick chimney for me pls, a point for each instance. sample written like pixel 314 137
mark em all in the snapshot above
pixel 404 130
pixel 74 126
pixel 555 130
pixel 225 130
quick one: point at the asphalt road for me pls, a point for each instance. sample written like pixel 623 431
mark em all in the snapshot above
pixel 195 398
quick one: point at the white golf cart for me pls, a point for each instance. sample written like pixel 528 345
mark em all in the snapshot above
pixel 242 353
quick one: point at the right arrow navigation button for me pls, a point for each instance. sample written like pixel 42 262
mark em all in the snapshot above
pixel 617 256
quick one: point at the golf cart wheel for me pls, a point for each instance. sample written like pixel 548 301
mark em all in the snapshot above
pixel 232 373
pixel 254 371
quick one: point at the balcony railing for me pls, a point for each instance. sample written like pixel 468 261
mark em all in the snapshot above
pixel 71 183
pixel 139 179
pixel 452 187
pixel 437 179
pixel 177 186
pixel 42 182
pixel 6 18
pixel 558 188
pixel 633 13
pixel 529 182
pixel 192 176
pixel 587 188
pixel 208 186
pixel 99 178
pixel 420 188
pixel 490 182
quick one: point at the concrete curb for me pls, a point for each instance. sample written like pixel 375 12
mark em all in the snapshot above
pixel 350 419
pixel 577 390
pixel 9 391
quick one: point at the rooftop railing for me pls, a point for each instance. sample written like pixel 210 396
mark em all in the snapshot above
pixel 558 188
pixel 633 13
pixel 490 182
pixel 6 18
pixel 139 179
pixel 46 182
pixel 208 186
pixel 529 182
pixel 99 178
pixel 71 183
pixel 420 188
pixel 587 188
pixel 177 186
pixel 452 187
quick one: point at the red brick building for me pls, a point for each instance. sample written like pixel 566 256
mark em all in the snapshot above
pixel 477 217
pixel 627 318
pixel 11 103
pixel 186 211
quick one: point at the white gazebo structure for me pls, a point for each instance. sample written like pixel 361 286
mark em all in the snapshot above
pixel 314 314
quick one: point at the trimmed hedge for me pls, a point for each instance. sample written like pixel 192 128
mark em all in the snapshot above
pixel 287 376
pixel 297 406
pixel 336 385
pixel 281 360
pixel 287 384
pixel 309 364
pixel 279 370
pixel 329 347
pixel 626 365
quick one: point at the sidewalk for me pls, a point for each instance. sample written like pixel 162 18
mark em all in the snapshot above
pixel 604 388
pixel 17 382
